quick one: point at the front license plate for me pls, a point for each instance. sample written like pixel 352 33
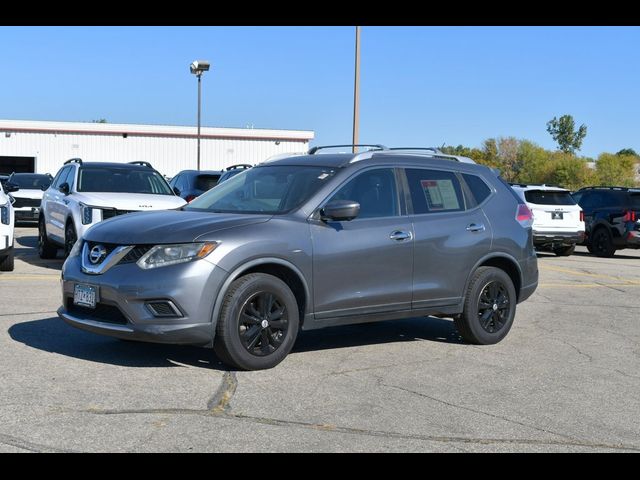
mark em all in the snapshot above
pixel 85 295
pixel 556 215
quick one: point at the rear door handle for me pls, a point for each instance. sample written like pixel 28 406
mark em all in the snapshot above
pixel 399 235
pixel 475 227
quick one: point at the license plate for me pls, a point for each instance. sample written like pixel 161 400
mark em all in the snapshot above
pixel 85 295
pixel 556 215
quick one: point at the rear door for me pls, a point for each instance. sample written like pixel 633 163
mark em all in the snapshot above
pixel 451 233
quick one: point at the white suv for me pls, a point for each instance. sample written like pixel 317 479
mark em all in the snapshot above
pixel 85 193
pixel 558 221
pixel 6 232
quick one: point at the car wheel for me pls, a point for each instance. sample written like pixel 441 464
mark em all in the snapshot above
pixel 70 238
pixel 564 251
pixel 46 249
pixel 489 307
pixel 6 263
pixel 602 244
pixel 258 323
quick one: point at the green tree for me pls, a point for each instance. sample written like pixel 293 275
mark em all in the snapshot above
pixel 627 151
pixel 616 170
pixel 563 131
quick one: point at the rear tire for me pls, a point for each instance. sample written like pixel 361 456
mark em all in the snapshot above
pixel 70 238
pixel 6 263
pixel 489 307
pixel 46 249
pixel 564 251
pixel 258 323
pixel 602 243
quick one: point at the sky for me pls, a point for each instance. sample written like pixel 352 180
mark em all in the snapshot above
pixel 419 86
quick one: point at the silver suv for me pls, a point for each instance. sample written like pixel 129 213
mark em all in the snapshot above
pixel 85 193
pixel 305 242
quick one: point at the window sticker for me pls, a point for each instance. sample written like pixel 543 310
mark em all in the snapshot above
pixel 440 195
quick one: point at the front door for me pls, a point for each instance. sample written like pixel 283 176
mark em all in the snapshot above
pixel 364 266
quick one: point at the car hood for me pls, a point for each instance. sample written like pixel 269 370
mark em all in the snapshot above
pixel 35 194
pixel 165 227
pixel 130 201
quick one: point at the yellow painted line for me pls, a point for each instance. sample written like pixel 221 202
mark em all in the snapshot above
pixel 584 274
pixel 588 285
pixel 11 278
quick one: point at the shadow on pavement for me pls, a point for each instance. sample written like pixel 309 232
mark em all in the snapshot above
pixel 26 249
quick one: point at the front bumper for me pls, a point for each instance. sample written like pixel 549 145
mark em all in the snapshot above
pixel 123 295
pixel 542 238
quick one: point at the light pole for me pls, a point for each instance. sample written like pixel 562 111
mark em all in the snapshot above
pixel 356 94
pixel 198 68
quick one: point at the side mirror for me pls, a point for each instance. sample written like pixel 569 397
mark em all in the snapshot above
pixel 176 190
pixel 340 210
pixel 64 188
pixel 44 187
pixel 11 187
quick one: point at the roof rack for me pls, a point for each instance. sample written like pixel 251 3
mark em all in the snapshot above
pixel 74 160
pixel 430 149
pixel 139 162
pixel 313 150
pixel 534 185
pixel 608 188
pixel 240 165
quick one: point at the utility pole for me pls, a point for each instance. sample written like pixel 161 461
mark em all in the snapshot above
pixel 356 95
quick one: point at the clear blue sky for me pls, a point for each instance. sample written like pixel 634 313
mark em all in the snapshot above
pixel 419 85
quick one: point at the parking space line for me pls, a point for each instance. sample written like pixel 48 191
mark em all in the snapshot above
pixel 588 285
pixel 585 274
pixel 29 277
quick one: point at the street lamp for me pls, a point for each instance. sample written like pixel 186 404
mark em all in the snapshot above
pixel 198 67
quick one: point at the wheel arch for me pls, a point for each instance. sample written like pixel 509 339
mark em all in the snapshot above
pixel 504 262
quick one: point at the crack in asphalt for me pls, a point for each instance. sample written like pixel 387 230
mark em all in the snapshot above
pixel 368 432
pixel 589 357
pixel 30 446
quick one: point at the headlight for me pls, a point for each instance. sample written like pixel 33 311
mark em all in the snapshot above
pixel 86 213
pixel 77 248
pixel 4 213
pixel 164 255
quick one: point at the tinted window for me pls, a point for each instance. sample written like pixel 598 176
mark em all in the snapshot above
pixel 434 191
pixel 30 181
pixel 374 190
pixel 549 197
pixel 479 189
pixel 206 182
pixel 635 200
pixel 122 180
pixel 612 199
pixel 61 177
pixel 270 189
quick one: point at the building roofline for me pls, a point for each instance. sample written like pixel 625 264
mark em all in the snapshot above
pixel 139 130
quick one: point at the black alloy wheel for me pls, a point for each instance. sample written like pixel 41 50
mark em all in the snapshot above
pixel 263 323
pixel 493 307
pixel 602 244
pixel 70 238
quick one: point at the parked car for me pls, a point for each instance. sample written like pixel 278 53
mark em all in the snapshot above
pixel 3 180
pixel 558 222
pixel 85 193
pixel 190 184
pixel 306 242
pixel 7 220
pixel 232 171
pixel 31 188
pixel 612 218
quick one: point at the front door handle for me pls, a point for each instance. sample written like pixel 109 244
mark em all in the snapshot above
pixel 399 235
pixel 475 227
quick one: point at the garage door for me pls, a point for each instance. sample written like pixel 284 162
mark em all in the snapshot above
pixel 17 164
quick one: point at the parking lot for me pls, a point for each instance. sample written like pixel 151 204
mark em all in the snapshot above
pixel 566 378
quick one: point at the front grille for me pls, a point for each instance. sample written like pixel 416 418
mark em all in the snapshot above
pixel 110 213
pixel 134 255
pixel 102 313
pixel 26 202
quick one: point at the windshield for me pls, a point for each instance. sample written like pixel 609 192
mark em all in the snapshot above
pixel 549 197
pixel 269 189
pixel 31 181
pixel 122 180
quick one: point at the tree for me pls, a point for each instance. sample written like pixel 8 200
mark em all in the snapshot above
pixel 627 151
pixel 100 120
pixel 564 133
pixel 616 169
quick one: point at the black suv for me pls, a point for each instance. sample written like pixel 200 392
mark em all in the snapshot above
pixel 611 217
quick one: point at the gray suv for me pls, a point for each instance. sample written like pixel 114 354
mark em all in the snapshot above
pixel 306 242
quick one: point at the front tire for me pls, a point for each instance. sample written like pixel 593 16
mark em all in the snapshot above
pixel 602 243
pixel 258 323
pixel 7 263
pixel 46 249
pixel 489 307
pixel 70 238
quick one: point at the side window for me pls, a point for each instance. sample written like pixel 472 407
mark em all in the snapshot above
pixel 375 191
pixel 174 181
pixel 61 177
pixel 434 191
pixel 478 188
pixel 611 199
pixel 71 178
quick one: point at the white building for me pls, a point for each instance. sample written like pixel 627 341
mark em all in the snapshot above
pixel 42 147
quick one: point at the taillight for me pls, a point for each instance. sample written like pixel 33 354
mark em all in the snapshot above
pixel 582 215
pixel 190 197
pixel 629 216
pixel 524 216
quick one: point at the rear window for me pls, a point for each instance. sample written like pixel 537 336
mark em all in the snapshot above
pixel 549 197
pixel 635 200
pixel 206 182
